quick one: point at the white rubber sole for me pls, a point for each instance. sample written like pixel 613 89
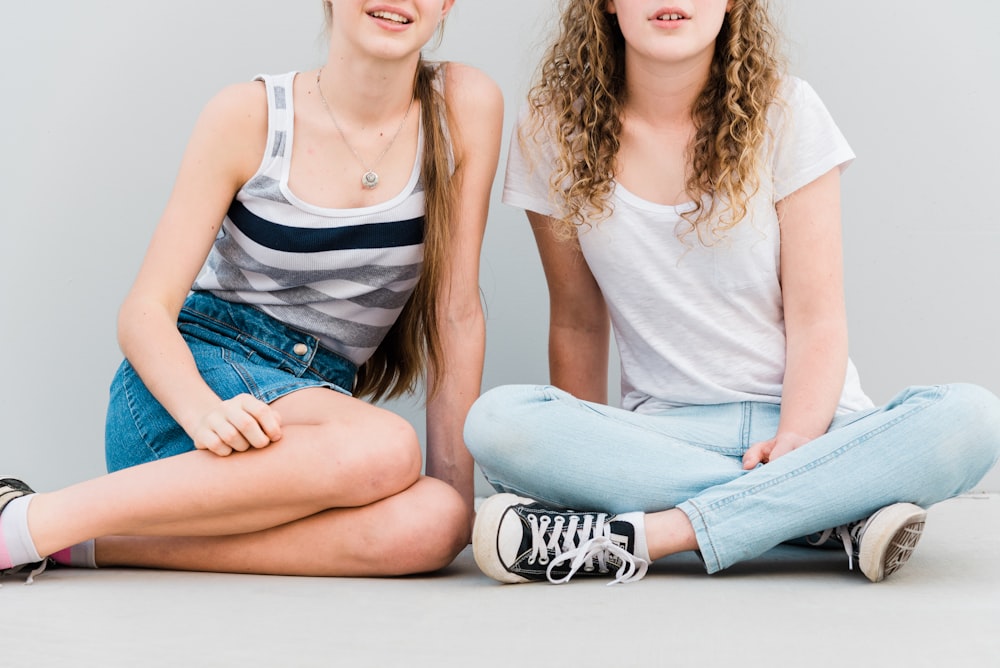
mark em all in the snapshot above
pixel 485 537
pixel 889 539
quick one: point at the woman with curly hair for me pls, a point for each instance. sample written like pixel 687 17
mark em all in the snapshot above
pixel 682 187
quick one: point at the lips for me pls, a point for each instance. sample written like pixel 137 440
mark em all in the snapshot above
pixel 389 16
pixel 670 14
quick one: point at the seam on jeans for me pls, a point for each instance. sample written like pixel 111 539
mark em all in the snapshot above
pixel 273 394
pixel 128 377
pixel 746 426
pixel 708 536
pixel 314 371
pixel 943 391
pixel 306 384
pixel 248 380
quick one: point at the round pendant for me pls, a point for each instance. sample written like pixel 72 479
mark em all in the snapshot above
pixel 369 179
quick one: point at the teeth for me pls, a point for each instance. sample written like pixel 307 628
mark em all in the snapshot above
pixel 669 17
pixel 390 16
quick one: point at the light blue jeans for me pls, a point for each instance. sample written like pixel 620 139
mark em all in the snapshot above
pixel 924 446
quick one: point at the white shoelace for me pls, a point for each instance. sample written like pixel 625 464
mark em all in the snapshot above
pixel 846 533
pixel 595 546
pixel 632 568
pixel 37 570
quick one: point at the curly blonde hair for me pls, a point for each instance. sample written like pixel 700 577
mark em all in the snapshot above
pixel 579 96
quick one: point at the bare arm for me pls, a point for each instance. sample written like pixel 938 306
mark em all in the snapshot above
pixel 578 316
pixel 477 119
pixel 815 316
pixel 224 151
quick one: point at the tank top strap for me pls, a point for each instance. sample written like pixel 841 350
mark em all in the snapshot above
pixel 280 124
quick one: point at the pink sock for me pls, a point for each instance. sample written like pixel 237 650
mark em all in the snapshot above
pixel 5 561
pixel 80 555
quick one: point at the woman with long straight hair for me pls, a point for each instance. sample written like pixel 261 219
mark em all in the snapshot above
pixel 319 251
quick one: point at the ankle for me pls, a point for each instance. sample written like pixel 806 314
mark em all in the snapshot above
pixel 669 532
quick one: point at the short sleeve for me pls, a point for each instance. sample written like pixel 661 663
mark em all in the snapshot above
pixel 807 141
pixel 529 166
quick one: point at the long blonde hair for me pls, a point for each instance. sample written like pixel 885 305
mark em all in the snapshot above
pixel 579 96
pixel 413 343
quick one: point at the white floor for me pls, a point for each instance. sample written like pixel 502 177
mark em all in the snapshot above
pixel 793 607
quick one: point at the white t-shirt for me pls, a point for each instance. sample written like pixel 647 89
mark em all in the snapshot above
pixel 698 324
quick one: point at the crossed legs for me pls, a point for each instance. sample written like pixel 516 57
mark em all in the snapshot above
pixel 340 494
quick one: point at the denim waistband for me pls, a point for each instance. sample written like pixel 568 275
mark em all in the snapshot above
pixel 292 349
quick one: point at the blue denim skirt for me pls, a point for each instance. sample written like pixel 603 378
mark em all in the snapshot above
pixel 238 349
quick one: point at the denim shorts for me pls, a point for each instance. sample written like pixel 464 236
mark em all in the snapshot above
pixel 238 349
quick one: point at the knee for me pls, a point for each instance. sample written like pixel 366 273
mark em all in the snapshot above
pixel 975 411
pixel 394 459
pixel 433 528
pixel 497 417
pixel 381 457
pixel 963 430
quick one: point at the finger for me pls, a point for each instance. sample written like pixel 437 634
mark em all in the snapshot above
pixel 221 449
pixel 780 451
pixel 247 432
pixel 210 441
pixel 227 428
pixel 759 453
pixel 267 418
pixel 235 439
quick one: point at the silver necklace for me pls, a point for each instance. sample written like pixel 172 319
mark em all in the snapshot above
pixel 370 178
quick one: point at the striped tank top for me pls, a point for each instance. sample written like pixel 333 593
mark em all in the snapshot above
pixel 341 275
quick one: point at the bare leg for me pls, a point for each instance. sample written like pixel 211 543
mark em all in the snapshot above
pixel 336 452
pixel 669 532
pixel 420 529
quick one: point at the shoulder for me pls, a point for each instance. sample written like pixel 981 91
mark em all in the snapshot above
pixel 473 97
pixel 797 96
pixel 807 142
pixel 232 128
pixel 470 88
pixel 790 85
pixel 238 106
pixel 798 109
pixel 475 108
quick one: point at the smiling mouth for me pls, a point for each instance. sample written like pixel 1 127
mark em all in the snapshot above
pixel 390 16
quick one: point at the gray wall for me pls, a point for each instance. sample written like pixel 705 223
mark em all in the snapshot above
pixel 99 99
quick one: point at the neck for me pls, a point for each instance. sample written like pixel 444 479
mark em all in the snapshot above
pixel 379 89
pixel 664 93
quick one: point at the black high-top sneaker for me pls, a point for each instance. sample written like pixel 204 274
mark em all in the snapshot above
pixel 516 539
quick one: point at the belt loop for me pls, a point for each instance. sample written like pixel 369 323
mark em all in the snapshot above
pixel 746 425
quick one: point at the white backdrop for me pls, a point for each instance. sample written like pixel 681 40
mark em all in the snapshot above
pixel 99 99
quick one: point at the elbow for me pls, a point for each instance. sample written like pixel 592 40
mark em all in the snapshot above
pixel 133 315
pixel 124 325
pixel 465 316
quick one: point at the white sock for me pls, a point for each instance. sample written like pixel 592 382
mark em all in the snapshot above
pixel 637 520
pixel 14 533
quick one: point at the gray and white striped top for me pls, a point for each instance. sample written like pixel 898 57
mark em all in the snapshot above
pixel 341 275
